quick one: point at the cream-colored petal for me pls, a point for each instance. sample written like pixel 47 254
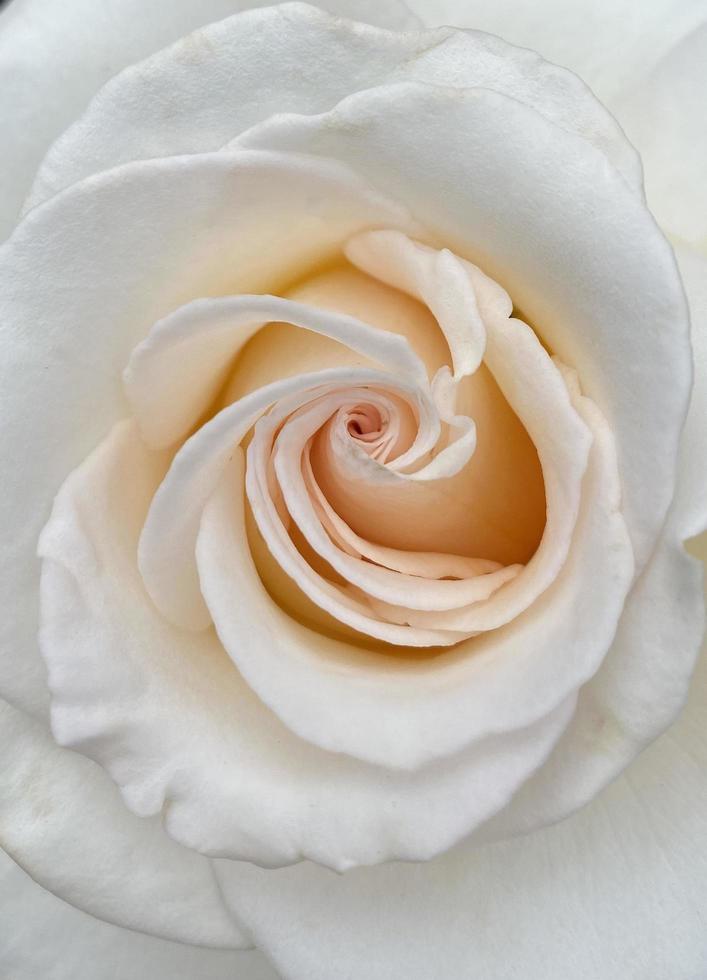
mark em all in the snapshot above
pixel 44 938
pixel 617 891
pixel 177 371
pixel 542 212
pixel 170 717
pixel 388 711
pixel 113 255
pixel 62 820
pixel 198 94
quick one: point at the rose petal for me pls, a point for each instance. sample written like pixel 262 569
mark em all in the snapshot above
pixel 662 113
pixel 62 820
pixel 642 684
pixel 177 371
pixel 616 891
pixel 690 504
pixel 578 252
pixel 342 606
pixel 396 587
pixel 198 94
pixel 607 44
pixel 388 712
pixel 171 719
pixel 84 47
pixel 439 280
pixel 504 478
pixel 533 387
pixel 428 563
pixel 637 693
pixel 179 229
pixel 168 541
pixel 44 937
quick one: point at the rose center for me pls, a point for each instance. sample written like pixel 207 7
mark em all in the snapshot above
pixel 365 423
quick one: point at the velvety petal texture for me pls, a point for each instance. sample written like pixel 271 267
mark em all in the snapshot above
pixel 185 728
pixel 63 821
pixel 366 428
pixel 45 937
pixel 52 63
pixel 198 94
pixel 645 61
pixel 616 891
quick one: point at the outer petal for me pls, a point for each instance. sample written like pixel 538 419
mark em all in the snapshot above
pixel 43 937
pixel 617 892
pixel 691 503
pixel 636 694
pixel 198 94
pixel 607 44
pixel 579 254
pixel 178 229
pixel 63 821
pixel 646 61
pixel 53 61
pixel 662 111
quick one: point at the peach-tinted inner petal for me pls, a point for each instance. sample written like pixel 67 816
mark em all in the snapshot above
pixel 494 508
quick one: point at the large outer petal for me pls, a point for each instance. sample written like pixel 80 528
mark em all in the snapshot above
pixel 617 892
pixel 113 255
pixel 663 113
pixel 608 44
pixel 691 502
pixel 645 60
pixel 544 214
pixel 43 938
pixel 53 60
pixel 64 822
pixel 199 93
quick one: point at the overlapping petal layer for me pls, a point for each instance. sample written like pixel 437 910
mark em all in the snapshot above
pixel 615 891
pixel 326 744
pixel 178 728
pixel 52 64
pixel 62 819
pixel 198 94
pixel 46 937
pixel 532 228
pixel 362 712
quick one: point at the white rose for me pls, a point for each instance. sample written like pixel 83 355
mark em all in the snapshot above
pixel 285 298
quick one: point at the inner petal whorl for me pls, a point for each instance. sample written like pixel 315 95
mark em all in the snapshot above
pixel 494 508
pixel 322 459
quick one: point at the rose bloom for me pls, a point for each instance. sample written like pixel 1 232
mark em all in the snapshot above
pixel 354 429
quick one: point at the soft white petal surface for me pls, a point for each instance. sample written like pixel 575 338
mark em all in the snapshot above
pixel 168 715
pixel 637 693
pixel 663 113
pixel 617 892
pixel 609 45
pixel 198 95
pixel 179 229
pixel 578 252
pixel 52 62
pixel 43 938
pixel 62 819
pixel 691 501
pixel 645 61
